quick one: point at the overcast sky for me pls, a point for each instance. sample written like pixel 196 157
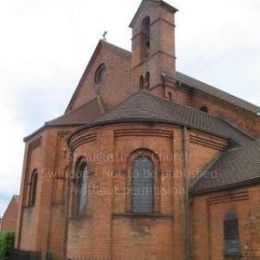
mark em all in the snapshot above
pixel 46 44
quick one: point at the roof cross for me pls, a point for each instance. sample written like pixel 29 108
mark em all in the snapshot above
pixel 104 36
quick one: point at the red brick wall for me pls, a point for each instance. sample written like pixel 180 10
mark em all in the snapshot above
pixel 114 231
pixel 203 148
pixel 42 227
pixel 106 220
pixel 161 55
pixel 116 84
pixel 257 124
pixel 242 118
pixel 109 231
pixel 207 218
pixel 9 219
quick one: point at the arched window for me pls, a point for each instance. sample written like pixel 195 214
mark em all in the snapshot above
pixel 204 109
pixel 81 194
pixel 231 236
pixel 99 75
pixel 143 185
pixel 170 95
pixel 145 36
pixel 147 80
pixel 141 82
pixel 33 189
pixel 146 30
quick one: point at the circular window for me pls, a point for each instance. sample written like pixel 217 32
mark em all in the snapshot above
pixel 99 75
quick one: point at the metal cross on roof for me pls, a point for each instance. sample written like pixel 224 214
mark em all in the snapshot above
pixel 104 36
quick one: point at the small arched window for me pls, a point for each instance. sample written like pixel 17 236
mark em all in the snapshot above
pixel 145 36
pixel 170 95
pixel 146 30
pixel 204 109
pixel 33 189
pixel 81 195
pixel 231 236
pixel 143 185
pixel 141 84
pixel 99 75
pixel 147 80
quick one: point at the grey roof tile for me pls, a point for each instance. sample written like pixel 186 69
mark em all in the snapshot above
pixel 237 166
pixel 82 115
pixel 145 107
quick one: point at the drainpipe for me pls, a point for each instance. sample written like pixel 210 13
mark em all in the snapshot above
pixel 187 253
pixel 67 201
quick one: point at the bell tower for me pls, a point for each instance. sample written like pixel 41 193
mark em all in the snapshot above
pixel 153 45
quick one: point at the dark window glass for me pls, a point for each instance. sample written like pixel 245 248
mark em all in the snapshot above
pixel 146 31
pixel 143 185
pixel 145 37
pixel 99 75
pixel 82 189
pixel 147 80
pixel 33 188
pixel 204 109
pixel 231 233
pixel 141 82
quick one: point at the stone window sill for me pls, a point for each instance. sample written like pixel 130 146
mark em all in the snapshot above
pixel 79 218
pixel 142 215
pixel 29 207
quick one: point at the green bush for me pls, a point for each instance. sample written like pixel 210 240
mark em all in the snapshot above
pixel 6 244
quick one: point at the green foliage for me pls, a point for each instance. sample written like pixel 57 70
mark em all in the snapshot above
pixel 6 244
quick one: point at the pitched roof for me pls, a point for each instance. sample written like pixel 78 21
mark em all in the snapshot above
pixel 199 85
pixel 145 107
pixel 82 115
pixel 234 168
pixel 77 117
pixel 115 49
pixel 14 199
pixel 180 77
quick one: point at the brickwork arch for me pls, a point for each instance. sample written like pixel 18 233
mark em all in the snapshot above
pixel 143 152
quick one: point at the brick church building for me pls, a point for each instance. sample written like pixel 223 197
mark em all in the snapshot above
pixel 145 163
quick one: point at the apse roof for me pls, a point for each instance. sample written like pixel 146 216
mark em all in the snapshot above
pixel 145 107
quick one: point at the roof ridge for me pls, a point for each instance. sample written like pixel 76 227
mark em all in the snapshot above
pixel 234 176
pixel 158 99
pixel 237 128
pixel 164 111
pixel 125 51
pixel 186 106
pixel 205 169
pixel 111 110
pixel 101 104
pixel 119 104
pixel 220 90
pixel 247 143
